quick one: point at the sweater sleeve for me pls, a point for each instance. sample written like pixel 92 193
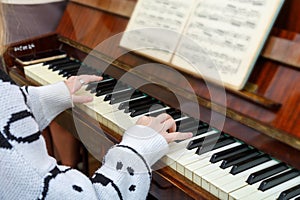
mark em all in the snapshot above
pixel 46 102
pixel 126 173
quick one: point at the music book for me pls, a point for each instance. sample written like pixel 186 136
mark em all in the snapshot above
pixel 217 40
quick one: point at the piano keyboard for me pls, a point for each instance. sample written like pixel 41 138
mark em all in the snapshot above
pixel 229 170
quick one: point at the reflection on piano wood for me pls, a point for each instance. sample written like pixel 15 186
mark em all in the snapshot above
pixel 230 170
pixel 270 138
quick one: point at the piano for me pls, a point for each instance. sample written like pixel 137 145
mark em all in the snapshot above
pixel 254 154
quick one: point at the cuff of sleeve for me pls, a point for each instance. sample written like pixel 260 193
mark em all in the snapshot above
pixel 53 99
pixel 147 142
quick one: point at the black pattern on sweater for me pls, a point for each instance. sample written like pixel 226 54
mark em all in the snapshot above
pixel 103 180
pixel 16 117
pixel 139 155
pixel 53 173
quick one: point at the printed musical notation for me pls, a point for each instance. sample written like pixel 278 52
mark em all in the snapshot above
pixel 205 36
pixel 155 26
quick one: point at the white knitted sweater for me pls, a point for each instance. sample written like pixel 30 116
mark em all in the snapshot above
pixel 28 172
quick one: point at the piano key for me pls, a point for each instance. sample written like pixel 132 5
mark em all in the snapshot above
pixel 214 145
pixel 296 198
pixel 229 152
pixel 290 193
pixel 187 123
pixel 190 164
pixel 273 181
pixel 145 109
pixel 120 98
pixel 199 128
pixel 221 183
pixel 37 73
pixel 126 106
pixel 228 162
pixel 139 106
pixel 67 64
pixel 109 82
pixel 201 160
pixel 273 192
pixel 68 73
pixel 260 175
pixel 120 93
pixel 92 87
pixel 70 67
pixel 199 141
pixel 247 189
pixel 110 89
pixel 178 150
pixel 242 166
pixel 51 63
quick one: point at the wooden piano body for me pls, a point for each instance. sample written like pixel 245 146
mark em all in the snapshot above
pixel 264 115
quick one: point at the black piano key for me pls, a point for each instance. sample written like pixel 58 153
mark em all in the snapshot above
pixel 104 84
pixel 215 145
pixel 290 193
pixel 70 67
pixel 119 99
pixel 228 152
pixel 109 89
pixel 126 105
pixel 186 123
pixel 267 172
pixel 247 164
pixel 91 85
pixel 199 141
pixel 200 127
pixel 228 162
pixel 176 114
pixel 119 94
pixel 60 66
pixel 142 106
pixel 278 179
pixel 69 71
pixel 190 124
pixel 146 109
pixel 53 63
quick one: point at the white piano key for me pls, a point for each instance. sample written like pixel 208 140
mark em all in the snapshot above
pixel 205 158
pixel 229 183
pixel 272 191
pixel 42 74
pixel 294 198
pixel 248 189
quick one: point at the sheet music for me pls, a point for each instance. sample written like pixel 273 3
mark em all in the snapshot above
pixel 228 36
pixel 216 39
pixel 150 30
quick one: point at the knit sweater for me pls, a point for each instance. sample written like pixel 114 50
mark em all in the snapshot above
pixel 28 172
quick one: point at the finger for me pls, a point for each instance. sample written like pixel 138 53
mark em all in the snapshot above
pixel 81 99
pixel 144 120
pixel 89 78
pixel 170 125
pixel 170 137
pixel 163 117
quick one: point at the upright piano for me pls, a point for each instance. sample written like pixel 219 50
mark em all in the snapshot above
pixel 257 151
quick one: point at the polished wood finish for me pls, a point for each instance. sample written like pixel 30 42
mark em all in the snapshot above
pixel 276 77
pixel 119 7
